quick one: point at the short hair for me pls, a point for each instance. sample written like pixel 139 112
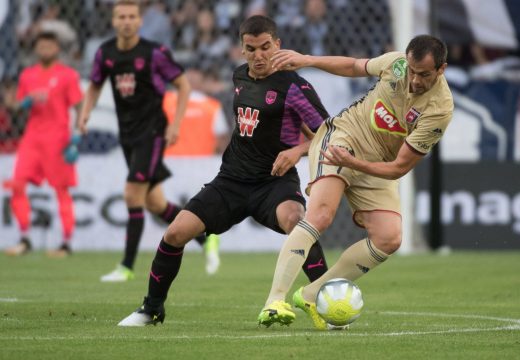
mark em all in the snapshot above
pixel 422 45
pixel 129 3
pixel 46 35
pixel 258 24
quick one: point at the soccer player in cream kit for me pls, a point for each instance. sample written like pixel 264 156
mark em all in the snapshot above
pixel 361 153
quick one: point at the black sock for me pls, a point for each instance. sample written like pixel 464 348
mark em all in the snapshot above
pixel 172 210
pixel 165 267
pixel 134 229
pixel 201 239
pixel 315 265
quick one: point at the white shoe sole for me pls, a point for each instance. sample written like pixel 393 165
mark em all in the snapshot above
pixel 136 319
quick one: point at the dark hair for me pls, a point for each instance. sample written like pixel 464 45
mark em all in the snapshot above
pixel 422 45
pixel 46 35
pixel 258 24
pixel 129 3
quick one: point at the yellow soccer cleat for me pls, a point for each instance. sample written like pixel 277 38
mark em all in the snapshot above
pixel 277 312
pixel 310 309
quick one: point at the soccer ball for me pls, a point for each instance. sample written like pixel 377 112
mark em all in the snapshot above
pixel 339 302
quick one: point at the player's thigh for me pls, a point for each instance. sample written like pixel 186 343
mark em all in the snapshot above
pixel 324 198
pixel 155 200
pixel 184 227
pixel 376 207
pixel 383 228
pixel 220 204
pixel 135 193
pixel 28 166
pixel 370 193
pixel 271 203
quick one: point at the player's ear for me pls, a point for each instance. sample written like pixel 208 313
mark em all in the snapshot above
pixel 442 68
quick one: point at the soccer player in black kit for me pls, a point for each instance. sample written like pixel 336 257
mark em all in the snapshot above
pixel 139 71
pixel 257 177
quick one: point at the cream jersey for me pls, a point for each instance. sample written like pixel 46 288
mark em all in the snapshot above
pixel 389 115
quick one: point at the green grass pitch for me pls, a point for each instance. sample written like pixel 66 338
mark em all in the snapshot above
pixel 462 306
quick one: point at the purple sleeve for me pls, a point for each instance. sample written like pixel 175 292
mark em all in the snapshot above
pixel 163 66
pixel 298 108
pixel 97 76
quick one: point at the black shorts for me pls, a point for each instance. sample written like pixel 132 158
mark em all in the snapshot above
pixel 224 202
pixel 145 161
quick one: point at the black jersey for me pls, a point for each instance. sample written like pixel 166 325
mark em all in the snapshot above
pixel 269 115
pixel 138 77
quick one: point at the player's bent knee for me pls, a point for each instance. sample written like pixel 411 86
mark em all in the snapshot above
pixel 176 238
pixel 321 219
pixel 289 221
pixel 388 242
pixel 153 207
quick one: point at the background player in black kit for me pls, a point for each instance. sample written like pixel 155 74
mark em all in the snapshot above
pixel 257 177
pixel 139 71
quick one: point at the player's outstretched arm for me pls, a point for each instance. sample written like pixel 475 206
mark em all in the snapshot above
pixel 404 162
pixel 183 95
pixel 337 65
pixel 89 102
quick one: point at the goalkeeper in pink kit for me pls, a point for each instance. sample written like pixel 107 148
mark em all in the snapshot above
pixel 47 90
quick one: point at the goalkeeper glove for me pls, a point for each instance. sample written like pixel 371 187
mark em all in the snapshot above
pixel 26 103
pixel 71 152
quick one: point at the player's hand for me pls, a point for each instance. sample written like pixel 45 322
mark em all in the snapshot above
pixel 171 135
pixel 82 124
pixel 284 161
pixel 338 156
pixel 288 60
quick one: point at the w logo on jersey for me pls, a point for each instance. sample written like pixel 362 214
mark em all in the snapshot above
pixel 125 84
pixel 247 121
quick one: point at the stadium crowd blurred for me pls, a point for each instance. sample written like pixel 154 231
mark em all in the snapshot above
pixel 202 35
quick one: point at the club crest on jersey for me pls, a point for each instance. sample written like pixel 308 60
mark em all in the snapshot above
pixel 383 119
pixel 270 97
pixel 412 115
pixel 125 84
pixel 247 121
pixel 399 68
pixel 139 63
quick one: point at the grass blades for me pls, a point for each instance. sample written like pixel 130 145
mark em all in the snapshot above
pixel 462 306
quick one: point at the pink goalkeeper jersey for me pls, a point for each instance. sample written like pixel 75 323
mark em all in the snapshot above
pixel 60 88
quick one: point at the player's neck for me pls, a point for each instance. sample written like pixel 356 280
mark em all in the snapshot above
pixel 48 64
pixel 256 77
pixel 127 43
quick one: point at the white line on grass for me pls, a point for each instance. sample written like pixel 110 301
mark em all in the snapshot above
pixel 253 337
pixel 463 316
pixel 515 325
pixel 8 300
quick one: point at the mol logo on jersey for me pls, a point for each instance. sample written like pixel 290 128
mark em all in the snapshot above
pixel 125 84
pixel 383 119
pixel 247 121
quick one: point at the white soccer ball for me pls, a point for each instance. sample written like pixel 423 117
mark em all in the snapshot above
pixel 339 302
